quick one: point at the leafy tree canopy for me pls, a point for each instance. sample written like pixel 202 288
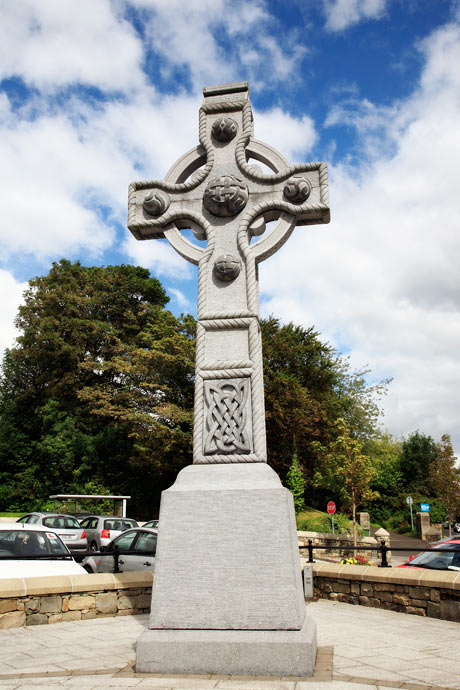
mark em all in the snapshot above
pixel 417 453
pixel 99 386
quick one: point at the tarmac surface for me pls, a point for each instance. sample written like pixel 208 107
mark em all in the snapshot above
pixel 359 648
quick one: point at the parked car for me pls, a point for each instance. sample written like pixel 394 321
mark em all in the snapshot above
pixel 142 542
pixel 68 528
pixel 453 537
pixel 151 523
pixel 437 560
pixel 101 529
pixel 40 545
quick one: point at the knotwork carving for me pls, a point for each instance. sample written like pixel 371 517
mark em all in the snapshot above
pixel 224 129
pixel 226 196
pixel 226 416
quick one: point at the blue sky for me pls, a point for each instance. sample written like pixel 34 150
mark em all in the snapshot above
pixel 94 95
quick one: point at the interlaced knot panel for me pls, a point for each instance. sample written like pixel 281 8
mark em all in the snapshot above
pixel 226 416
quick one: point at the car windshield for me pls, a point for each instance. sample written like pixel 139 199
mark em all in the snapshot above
pixel 118 524
pixel 439 560
pixel 61 522
pixel 23 542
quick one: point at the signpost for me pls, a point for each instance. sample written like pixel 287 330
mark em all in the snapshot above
pixel 409 501
pixel 424 507
pixel 331 510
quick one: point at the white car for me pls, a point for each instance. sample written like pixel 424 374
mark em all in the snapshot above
pixel 34 551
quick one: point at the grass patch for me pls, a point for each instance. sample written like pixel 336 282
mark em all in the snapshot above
pixel 13 515
pixel 312 520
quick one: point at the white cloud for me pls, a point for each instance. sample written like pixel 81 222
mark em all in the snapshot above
pixel 180 298
pixel 340 14
pixel 158 256
pixel 289 135
pixel 52 43
pixel 58 169
pixel 11 292
pixel 383 277
pixel 255 55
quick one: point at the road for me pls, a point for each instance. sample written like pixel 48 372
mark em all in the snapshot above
pixel 402 541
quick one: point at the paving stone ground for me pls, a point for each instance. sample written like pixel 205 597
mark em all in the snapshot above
pixel 360 648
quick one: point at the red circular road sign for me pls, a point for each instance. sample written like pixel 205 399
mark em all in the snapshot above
pixel 331 508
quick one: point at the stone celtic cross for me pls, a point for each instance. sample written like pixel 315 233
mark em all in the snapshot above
pixel 218 191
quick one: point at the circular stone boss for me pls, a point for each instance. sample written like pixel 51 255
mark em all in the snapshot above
pixel 224 129
pixel 225 196
pixel 227 267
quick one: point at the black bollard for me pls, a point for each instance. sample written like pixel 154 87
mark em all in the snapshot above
pixel 383 550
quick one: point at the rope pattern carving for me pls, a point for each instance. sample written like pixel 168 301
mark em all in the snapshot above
pixel 238 364
pixel 216 315
pixel 245 167
pixel 174 187
pixel 172 215
pixel 222 107
pixel 257 390
pixel 226 374
pixel 217 324
pixel 324 183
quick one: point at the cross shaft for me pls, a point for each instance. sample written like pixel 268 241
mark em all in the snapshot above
pixel 218 191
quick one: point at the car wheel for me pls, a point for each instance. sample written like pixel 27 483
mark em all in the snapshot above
pixel 93 546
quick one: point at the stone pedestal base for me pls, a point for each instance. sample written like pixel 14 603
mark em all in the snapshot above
pixel 235 652
pixel 227 590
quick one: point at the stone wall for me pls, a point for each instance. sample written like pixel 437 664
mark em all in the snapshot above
pixel 435 594
pixel 43 600
pixel 339 544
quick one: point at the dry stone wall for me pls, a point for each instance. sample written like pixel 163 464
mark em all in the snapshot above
pixel 435 594
pixel 44 600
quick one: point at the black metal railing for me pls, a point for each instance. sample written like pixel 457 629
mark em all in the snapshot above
pixel 381 548
pixel 79 556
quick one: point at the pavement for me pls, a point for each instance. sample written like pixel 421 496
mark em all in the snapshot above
pixel 359 648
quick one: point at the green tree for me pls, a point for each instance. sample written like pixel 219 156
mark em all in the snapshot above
pixel 445 477
pixel 417 453
pixel 295 482
pixel 308 385
pixel 385 452
pixel 347 471
pixel 100 384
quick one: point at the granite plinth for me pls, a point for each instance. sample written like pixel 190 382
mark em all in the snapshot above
pixel 235 652
pixel 227 554
pixel 227 592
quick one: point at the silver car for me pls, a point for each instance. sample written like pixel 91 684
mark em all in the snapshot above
pixel 101 529
pixel 66 526
pixel 136 549
pixel 151 523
